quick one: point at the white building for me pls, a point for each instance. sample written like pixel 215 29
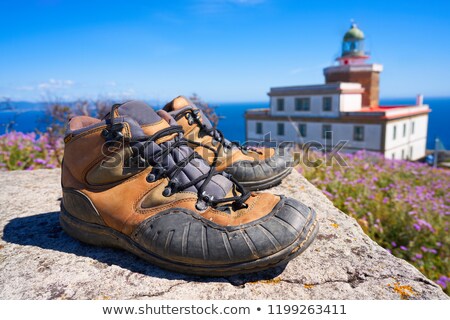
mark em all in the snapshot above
pixel 346 108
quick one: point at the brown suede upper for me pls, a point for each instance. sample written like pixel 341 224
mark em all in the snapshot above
pixel 122 196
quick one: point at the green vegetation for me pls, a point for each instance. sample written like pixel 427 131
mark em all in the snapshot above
pixel 404 206
pixel 27 151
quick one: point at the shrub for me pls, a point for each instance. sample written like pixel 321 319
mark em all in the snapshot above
pixel 27 151
pixel 404 206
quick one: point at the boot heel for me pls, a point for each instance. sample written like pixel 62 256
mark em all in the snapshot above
pixel 86 232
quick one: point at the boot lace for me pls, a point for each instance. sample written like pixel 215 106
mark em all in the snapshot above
pixel 193 116
pixel 140 157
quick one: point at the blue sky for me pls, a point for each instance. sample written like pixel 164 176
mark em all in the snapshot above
pixel 225 50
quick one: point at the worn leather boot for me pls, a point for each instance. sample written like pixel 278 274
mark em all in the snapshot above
pixel 132 182
pixel 253 168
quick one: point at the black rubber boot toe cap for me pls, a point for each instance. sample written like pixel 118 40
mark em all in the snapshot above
pixel 183 236
pixel 259 175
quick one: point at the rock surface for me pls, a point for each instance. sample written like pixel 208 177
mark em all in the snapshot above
pixel 39 261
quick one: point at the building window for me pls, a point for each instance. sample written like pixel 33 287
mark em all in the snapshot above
pixel 259 128
pixel 326 104
pixel 410 152
pixel 412 127
pixel 302 129
pixel 280 104
pixel 393 155
pixel 358 133
pixel 280 129
pixel 403 154
pixel 394 135
pixel 326 131
pixel 302 104
pixel 404 130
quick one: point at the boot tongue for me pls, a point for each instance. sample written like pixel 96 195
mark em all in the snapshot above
pixel 139 111
pixel 149 121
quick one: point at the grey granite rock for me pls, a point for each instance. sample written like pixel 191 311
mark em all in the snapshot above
pixel 39 261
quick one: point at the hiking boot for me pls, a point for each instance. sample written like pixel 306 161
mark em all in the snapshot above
pixel 132 182
pixel 253 168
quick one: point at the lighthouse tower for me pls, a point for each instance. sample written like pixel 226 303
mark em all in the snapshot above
pixel 353 67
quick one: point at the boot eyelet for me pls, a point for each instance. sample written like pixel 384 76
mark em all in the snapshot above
pixel 118 135
pixel 201 205
pixel 206 198
pixel 189 118
pixel 167 192
pixel 105 133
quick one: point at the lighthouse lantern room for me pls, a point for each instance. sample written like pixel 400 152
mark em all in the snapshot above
pixel 353 47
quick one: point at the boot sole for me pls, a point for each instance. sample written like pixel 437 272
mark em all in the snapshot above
pixel 104 236
pixel 266 183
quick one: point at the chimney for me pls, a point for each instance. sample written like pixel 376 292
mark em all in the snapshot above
pixel 419 100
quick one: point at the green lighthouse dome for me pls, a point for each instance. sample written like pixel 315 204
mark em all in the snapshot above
pixel 353 43
pixel 354 34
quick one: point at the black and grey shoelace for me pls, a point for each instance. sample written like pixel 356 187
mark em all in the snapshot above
pixel 160 168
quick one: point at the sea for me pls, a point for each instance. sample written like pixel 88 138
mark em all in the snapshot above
pixel 30 116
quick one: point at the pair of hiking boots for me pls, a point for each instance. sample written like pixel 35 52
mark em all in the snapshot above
pixel 169 188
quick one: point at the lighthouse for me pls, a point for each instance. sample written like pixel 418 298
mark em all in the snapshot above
pixel 353 67
pixel 345 109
